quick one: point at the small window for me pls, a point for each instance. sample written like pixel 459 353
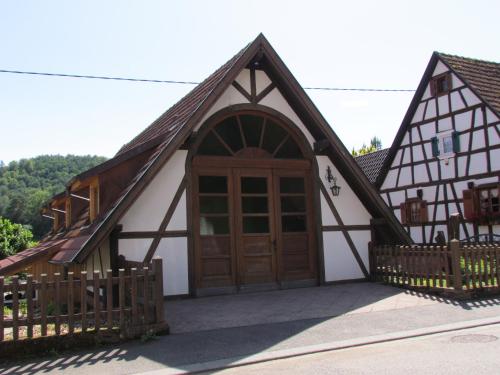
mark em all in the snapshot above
pixel 441 84
pixel 446 144
pixel 482 203
pixel 414 212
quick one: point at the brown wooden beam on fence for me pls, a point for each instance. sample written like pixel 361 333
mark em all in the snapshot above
pixel 71 303
pixel 97 302
pixel 133 297
pixel 145 295
pixel 1 307
pixel 158 297
pixel 121 297
pixel 83 299
pixel 455 265
pixel 43 304
pixel 57 302
pixel 29 305
pixel 15 307
pixel 109 299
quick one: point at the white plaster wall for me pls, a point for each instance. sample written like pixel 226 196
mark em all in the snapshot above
pixel 230 97
pixel 173 252
pixel 478 139
pixel 447 170
pixel 390 179
pixel 490 116
pixel 439 69
pixel 478 163
pixel 340 263
pixel 406 156
pixel 261 81
pixel 178 221
pixel 397 197
pixel 416 234
pixel 134 249
pixel 147 212
pixel 98 260
pixel 405 176
pixel 445 124
pixel 493 138
pixel 495 160
pixel 406 139
pixel 327 217
pixel 431 109
pixel 244 79
pixel 420 174
pixel 469 97
pixel 428 130
pixel 348 205
pixel 444 107
pixel 418 153
pixel 462 166
pixel 455 81
pixel 361 238
pixel 415 137
pixel 478 119
pixel 456 101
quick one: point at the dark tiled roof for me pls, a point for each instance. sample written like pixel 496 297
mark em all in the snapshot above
pixel 371 164
pixel 482 76
pixel 176 116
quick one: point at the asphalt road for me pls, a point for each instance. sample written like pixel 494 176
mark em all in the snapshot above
pixel 471 351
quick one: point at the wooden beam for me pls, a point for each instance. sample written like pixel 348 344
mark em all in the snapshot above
pixel 344 230
pixel 165 221
pixel 320 147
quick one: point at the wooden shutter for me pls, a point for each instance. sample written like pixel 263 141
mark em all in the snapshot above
pixel 469 206
pixel 435 146
pixel 404 219
pixel 423 212
pixel 432 85
pixel 456 142
pixel 449 81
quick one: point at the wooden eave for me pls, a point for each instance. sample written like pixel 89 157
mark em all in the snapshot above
pixel 296 97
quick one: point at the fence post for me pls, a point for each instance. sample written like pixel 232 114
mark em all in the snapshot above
pixel 455 264
pixel 1 308
pixel 371 261
pixel 158 272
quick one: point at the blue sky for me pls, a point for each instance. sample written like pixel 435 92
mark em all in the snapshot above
pixel 369 44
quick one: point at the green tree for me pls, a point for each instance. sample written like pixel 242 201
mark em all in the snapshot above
pixel 13 238
pixel 375 145
pixel 25 185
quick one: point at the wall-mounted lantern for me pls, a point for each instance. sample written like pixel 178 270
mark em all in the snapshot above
pixel 332 181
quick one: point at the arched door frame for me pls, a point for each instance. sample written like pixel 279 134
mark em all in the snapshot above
pixel 304 146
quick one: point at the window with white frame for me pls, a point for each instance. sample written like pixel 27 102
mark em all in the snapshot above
pixel 445 144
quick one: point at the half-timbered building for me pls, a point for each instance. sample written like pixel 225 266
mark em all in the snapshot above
pixel 240 185
pixel 445 158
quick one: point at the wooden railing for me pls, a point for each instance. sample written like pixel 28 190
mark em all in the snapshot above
pixel 454 268
pixel 128 304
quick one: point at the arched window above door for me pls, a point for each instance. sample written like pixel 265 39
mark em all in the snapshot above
pixel 250 136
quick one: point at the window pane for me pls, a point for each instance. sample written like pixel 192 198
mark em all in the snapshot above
pixel 254 205
pixel 447 145
pixel 256 225
pixel 293 223
pixel 289 150
pixel 213 184
pixel 229 131
pixel 212 146
pixel 252 126
pixel 291 185
pixel 214 225
pixel 254 185
pixel 213 205
pixel 273 136
pixel 293 204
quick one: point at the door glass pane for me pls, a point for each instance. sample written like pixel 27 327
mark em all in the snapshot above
pixel 254 185
pixel 229 131
pixel 254 205
pixel 289 150
pixel 212 146
pixel 252 126
pixel 293 223
pixel 256 224
pixel 214 225
pixel 293 204
pixel 292 185
pixel 213 205
pixel 273 136
pixel 213 184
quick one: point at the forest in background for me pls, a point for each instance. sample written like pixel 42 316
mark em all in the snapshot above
pixel 25 185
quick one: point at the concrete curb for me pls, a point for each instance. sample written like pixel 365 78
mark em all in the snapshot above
pixel 312 349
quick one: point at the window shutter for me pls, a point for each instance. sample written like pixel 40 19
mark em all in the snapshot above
pixel 469 207
pixel 449 81
pixel 423 212
pixel 435 146
pixel 432 85
pixel 402 207
pixel 456 142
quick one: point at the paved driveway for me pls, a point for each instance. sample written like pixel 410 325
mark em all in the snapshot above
pixel 239 310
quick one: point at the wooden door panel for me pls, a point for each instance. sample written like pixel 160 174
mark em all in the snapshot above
pixel 254 219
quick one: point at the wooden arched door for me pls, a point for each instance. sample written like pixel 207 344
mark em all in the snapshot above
pixel 253 220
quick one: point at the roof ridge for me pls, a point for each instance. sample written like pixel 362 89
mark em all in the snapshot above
pixel 442 54
pixel 178 103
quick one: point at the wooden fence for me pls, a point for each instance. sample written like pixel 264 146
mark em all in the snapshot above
pixel 128 304
pixel 455 268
